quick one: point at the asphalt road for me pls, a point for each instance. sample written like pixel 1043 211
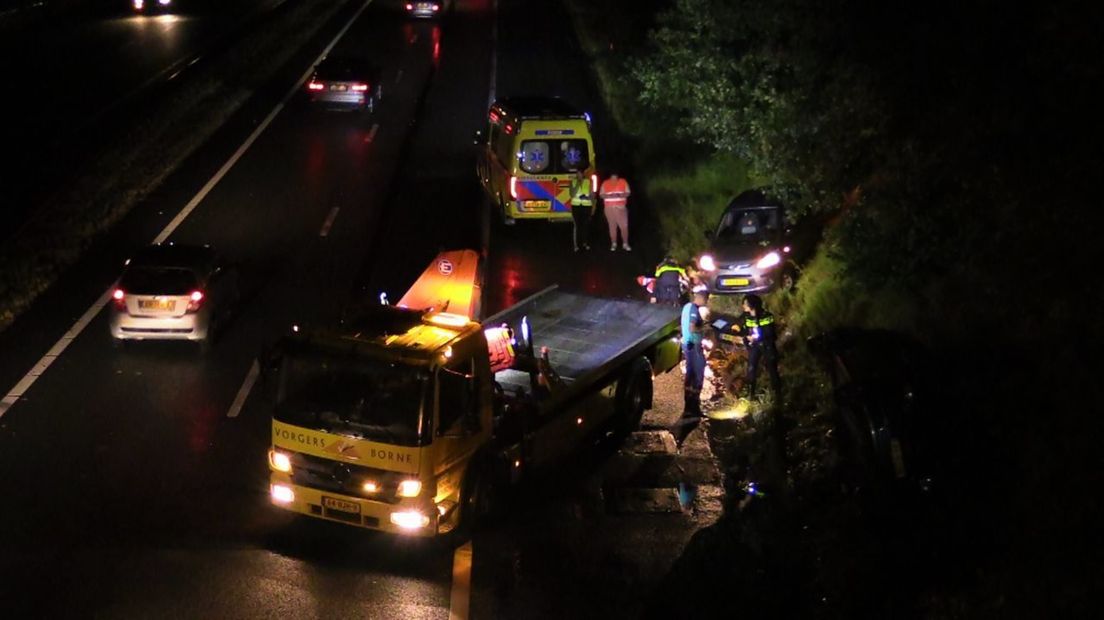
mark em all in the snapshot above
pixel 133 487
pixel 73 74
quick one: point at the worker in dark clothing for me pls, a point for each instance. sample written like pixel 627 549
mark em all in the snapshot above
pixel 758 331
pixel 670 283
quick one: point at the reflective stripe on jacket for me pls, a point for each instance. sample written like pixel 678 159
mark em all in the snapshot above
pixel 580 193
pixel 615 193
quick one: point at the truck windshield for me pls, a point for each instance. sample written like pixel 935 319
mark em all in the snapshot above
pixel 368 399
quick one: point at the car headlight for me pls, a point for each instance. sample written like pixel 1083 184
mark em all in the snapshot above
pixel 706 263
pixel 768 261
pixel 410 519
pixel 410 488
pixel 280 461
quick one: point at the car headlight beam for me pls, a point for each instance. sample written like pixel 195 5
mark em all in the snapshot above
pixel 706 263
pixel 768 261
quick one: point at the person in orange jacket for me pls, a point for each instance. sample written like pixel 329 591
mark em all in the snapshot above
pixel 615 200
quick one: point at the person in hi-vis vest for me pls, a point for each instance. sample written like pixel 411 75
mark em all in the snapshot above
pixel 615 200
pixel 582 208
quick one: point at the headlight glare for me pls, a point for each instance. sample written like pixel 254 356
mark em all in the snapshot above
pixel 280 461
pixel 770 260
pixel 410 488
pixel 282 493
pixel 409 519
pixel 706 263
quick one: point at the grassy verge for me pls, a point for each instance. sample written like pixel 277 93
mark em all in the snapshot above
pixel 140 156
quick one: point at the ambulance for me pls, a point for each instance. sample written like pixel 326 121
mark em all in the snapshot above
pixel 530 151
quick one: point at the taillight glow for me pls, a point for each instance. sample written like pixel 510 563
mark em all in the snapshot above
pixel 436 7
pixel 119 297
pixel 409 7
pixel 513 188
pixel 194 300
pixel 360 87
pixel 316 85
pixel 138 4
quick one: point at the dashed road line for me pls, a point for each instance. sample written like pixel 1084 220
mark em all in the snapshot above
pixel 41 365
pixel 243 392
pixel 329 222
pixel 372 133
pixel 398 76
pixel 460 597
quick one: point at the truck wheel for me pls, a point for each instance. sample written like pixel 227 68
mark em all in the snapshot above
pixel 635 396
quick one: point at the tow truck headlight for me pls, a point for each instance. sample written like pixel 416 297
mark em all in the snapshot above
pixel 410 519
pixel 280 461
pixel 282 493
pixel 410 488
pixel 770 260
pixel 707 263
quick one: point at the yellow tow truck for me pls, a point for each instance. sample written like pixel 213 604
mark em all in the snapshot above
pixel 410 418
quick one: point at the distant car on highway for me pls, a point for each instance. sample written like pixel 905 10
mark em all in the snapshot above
pixel 423 9
pixel 150 6
pixel 342 81
pixel 749 250
pixel 172 292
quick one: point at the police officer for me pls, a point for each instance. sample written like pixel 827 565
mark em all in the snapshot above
pixel 670 282
pixel 582 207
pixel 758 331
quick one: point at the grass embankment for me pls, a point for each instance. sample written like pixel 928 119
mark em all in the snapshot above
pixel 689 185
pixel 121 173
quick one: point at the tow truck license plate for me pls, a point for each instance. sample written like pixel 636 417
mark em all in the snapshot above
pixel 734 281
pixel 339 504
pixel 538 205
pixel 157 304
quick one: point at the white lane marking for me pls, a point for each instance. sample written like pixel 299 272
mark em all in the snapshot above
pixel 329 222
pixel 398 76
pixel 41 365
pixel 372 133
pixel 243 393
pixel 493 86
pixel 460 597
pixel 55 351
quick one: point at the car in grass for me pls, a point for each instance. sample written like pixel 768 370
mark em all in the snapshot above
pixel 346 82
pixel 749 250
pixel 425 9
pixel 151 6
pixel 172 292
pixel 890 428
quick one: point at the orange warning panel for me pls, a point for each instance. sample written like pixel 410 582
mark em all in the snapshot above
pixel 449 284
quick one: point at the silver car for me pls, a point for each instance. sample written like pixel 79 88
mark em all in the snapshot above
pixel 749 250
pixel 432 8
pixel 172 292
pixel 346 82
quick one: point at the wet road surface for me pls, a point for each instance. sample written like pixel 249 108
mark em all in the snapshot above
pixel 142 491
